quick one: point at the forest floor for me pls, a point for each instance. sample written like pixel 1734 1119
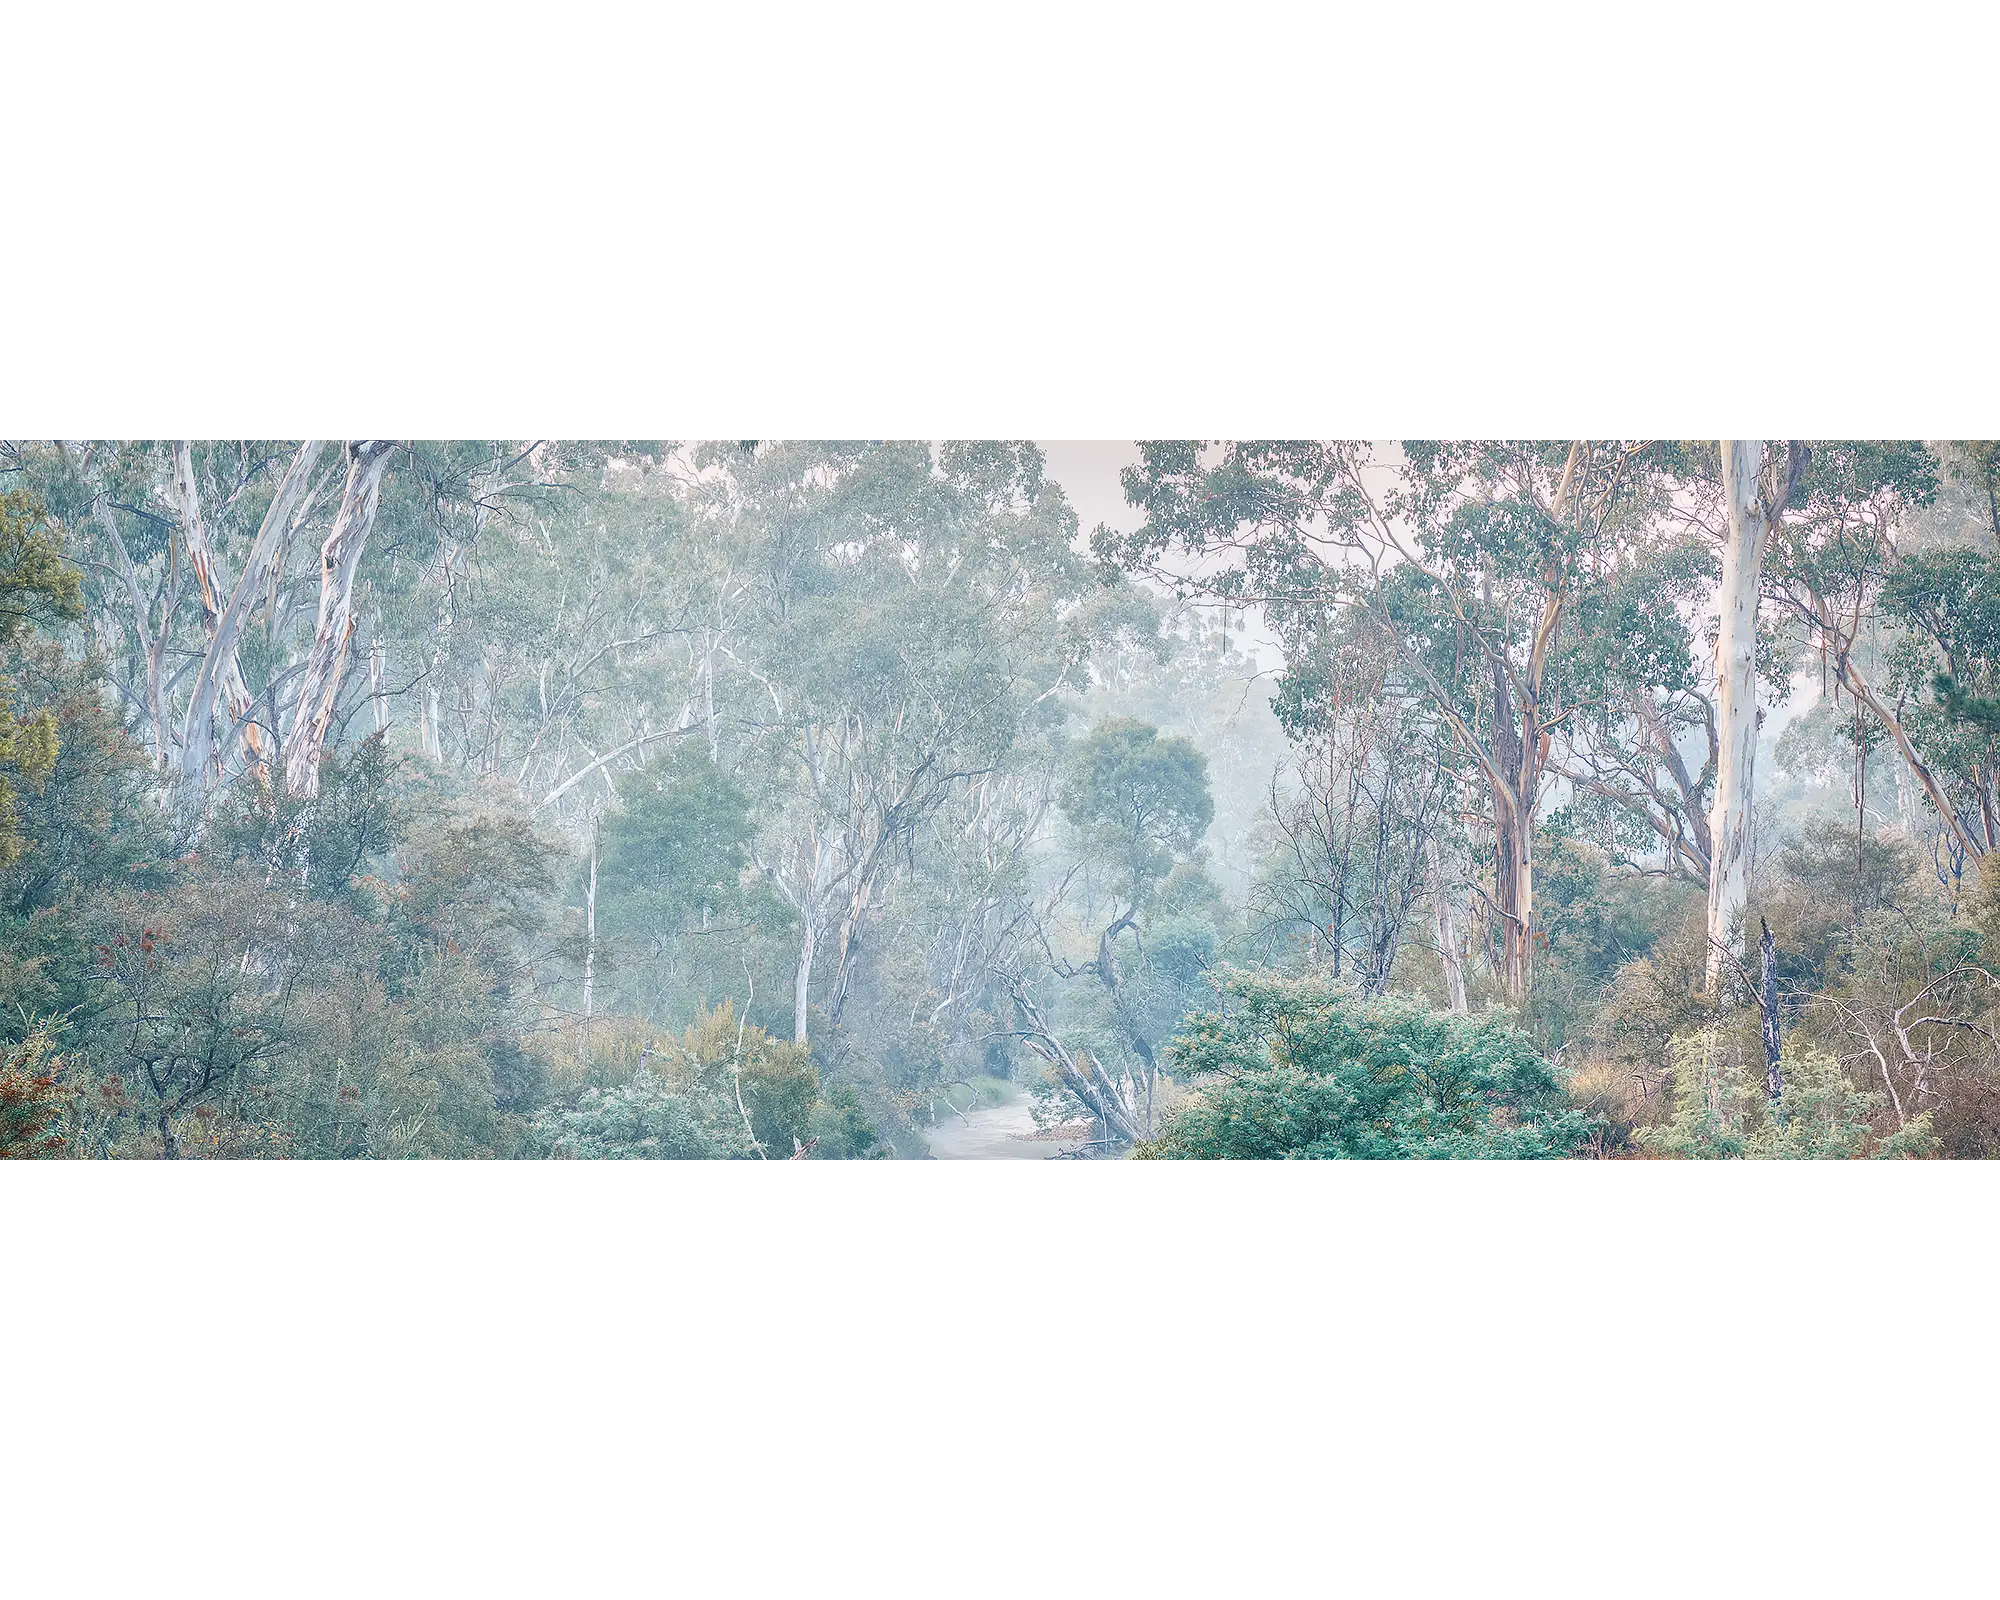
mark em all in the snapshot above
pixel 1003 1132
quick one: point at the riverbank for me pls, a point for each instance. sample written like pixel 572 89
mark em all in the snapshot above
pixel 1003 1132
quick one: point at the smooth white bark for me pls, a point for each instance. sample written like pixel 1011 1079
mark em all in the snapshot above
pixel 589 944
pixel 1750 518
pixel 340 556
pixel 1447 928
pixel 220 671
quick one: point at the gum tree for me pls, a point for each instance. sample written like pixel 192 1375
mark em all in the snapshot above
pixel 1469 560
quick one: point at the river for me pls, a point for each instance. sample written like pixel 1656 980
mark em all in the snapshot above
pixel 1005 1132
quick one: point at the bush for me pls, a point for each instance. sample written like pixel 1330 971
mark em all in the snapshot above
pixel 31 1098
pixel 644 1119
pixel 1303 1068
pixel 1720 1114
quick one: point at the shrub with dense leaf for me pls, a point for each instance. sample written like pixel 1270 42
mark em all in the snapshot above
pixel 1301 1067
pixel 647 1118
pixel 1720 1113
pixel 31 1098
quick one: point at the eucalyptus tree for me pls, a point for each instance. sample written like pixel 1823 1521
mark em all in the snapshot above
pixel 915 614
pixel 180 542
pixel 1358 809
pixel 1139 805
pixel 1469 559
pixel 1641 750
pixel 526 599
pixel 1945 670
pixel 224 618
pixel 1757 483
pixel 325 666
pixel 1103 953
pixel 1832 567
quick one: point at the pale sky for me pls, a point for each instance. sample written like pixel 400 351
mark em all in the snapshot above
pixel 1088 471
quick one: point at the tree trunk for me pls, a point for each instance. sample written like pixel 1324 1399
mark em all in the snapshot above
pixel 430 736
pixel 312 714
pixel 847 942
pixel 1513 841
pixel 378 675
pixel 1850 678
pixel 219 667
pixel 1736 701
pixel 802 978
pixel 1767 997
pixel 1079 1072
pixel 1447 928
pixel 589 944
pixel 1516 883
pixel 220 670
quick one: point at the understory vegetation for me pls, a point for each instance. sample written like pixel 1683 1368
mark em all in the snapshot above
pixel 767 800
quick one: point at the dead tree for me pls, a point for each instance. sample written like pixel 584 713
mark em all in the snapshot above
pixel 1080 1072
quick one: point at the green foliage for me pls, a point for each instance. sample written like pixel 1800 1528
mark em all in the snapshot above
pixel 1300 1068
pixel 644 1119
pixel 814 709
pixel 1720 1114
pixel 36 587
pixel 842 1129
pixel 675 849
pixel 722 1089
pixel 1821 1116
pixel 1597 920
pixel 323 842
pixel 775 1077
pixel 1138 800
pixel 31 1096
pixel 1712 1096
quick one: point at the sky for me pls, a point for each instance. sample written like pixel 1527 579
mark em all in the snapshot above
pixel 1088 471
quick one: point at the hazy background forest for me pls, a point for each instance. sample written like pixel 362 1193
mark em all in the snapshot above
pixel 762 799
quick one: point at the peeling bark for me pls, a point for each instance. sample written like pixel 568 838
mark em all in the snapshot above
pixel 1754 503
pixel 220 670
pixel 340 556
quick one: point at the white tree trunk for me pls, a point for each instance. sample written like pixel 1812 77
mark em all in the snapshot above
pixel 429 711
pixel 1447 928
pixel 378 674
pixel 589 944
pixel 220 671
pixel 1736 698
pixel 802 979
pixel 340 556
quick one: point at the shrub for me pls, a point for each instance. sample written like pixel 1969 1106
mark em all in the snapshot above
pixel 1301 1067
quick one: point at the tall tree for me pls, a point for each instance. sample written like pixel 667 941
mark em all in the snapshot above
pixel 333 633
pixel 918 612
pixel 1834 565
pixel 1469 558
pixel 1757 481
pixel 220 671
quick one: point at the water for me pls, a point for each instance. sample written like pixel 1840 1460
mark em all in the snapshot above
pixel 1004 1132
